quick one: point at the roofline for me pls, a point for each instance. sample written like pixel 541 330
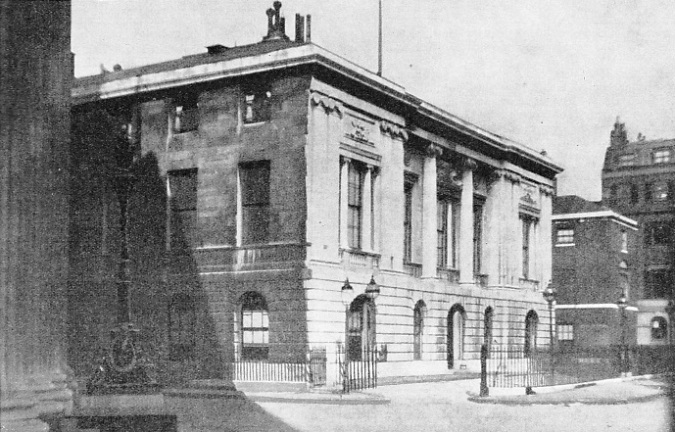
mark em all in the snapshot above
pixel 285 58
pixel 597 214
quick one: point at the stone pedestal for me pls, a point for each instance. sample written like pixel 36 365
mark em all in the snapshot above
pixel 128 413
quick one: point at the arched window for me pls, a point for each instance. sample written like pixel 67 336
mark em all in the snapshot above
pixel 455 336
pixel 659 328
pixel 487 328
pixel 531 323
pixel 254 327
pixel 418 329
pixel 361 327
pixel 181 327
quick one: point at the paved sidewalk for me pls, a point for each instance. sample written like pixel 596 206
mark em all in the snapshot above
pixel 606 392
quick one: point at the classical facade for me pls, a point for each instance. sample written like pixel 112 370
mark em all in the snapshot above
pixel 35 82
pixel 595 265
pixel 638 180
pixel 271 175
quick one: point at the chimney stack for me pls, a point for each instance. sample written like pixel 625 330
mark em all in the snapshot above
pixel 299 28
pixel 618 136
pixel 276 24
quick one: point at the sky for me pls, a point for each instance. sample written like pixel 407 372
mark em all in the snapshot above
pixel 553 75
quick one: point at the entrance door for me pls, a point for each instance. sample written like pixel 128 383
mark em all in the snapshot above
pixel 455 336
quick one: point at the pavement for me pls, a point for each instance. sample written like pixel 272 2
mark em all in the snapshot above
pixel 605 392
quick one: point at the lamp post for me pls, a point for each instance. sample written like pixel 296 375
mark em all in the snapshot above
pixel 549 295
pixel 622 303
pixel 347 298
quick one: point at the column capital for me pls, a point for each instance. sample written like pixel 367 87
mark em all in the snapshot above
pixel 469 164
pixel 345 160
pixel 329 104
pixel 547 190
pixel 394 130
pixel 512 177
pixel 433 151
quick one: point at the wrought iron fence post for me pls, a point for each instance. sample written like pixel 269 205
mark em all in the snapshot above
pixel 484 391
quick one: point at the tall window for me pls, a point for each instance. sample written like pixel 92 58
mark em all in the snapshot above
pixel 454 234
pixel 361 327
pixel 254 327
pixel 660 156
pixel 565 334
pixel 255 201
pixel 657 233
pixel 182 191
pixel 477 238
pixel 257 105
pixel 442 233
pixel 659 328
pixel 660 191
pixel 564 236
pixel 624 241
pixel 526 223
pixel 634 195
pixel 182 317
pixel 407 220
pixel 354 205
pixel 186 114
pixel 657 284
pixel 531 324
pixel 418 330
pixel 626 160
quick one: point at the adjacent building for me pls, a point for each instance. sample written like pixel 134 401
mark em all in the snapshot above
pixel 271 175
pixel 595 265
pixel 638 181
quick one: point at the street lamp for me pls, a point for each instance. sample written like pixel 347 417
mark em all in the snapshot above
pixel 372 289
pixel 347 298
pixel 549 295
pixel 622 303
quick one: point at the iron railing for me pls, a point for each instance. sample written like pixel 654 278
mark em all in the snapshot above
pixel 361 372
pixel 312 370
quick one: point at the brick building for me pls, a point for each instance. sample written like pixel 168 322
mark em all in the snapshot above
pixel 595 263
pixel 638 180
pixel 270 174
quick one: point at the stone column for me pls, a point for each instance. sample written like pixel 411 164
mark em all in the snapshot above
pixel 494 228
pixel 466 224
pixel 367 216
pixel 545 239
pixel 344 195
pixel 429 213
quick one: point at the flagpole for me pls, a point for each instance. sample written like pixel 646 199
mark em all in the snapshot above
pixel 379 47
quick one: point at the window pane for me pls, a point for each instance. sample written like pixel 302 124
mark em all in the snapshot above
pixel 248 336
pixel 247 319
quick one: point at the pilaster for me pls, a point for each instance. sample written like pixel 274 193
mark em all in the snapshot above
pixel 466 275
pixel 429 212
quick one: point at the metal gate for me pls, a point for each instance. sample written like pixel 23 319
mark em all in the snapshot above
pixel 360 365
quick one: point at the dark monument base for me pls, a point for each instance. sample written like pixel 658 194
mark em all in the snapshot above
pixel 132 423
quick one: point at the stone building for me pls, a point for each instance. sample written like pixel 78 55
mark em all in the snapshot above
pixel 35 81
pixel 272 174
pixel 595 263
pixel 638 180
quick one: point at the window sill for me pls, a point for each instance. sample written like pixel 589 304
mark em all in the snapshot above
pixel 254 124
pixel 565 245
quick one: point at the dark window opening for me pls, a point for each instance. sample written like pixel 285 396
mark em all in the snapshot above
pixel 182 318
pixel 255 201
pixel 257 105
pixel 418 330
pixel 657 284
pixel 182 191
pixel 477 238
pixel 254 327
pixel 659 328
pixel 354 204
pixel 186 114
pixel 361 327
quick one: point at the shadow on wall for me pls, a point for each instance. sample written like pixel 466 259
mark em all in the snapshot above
pixel 168 303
